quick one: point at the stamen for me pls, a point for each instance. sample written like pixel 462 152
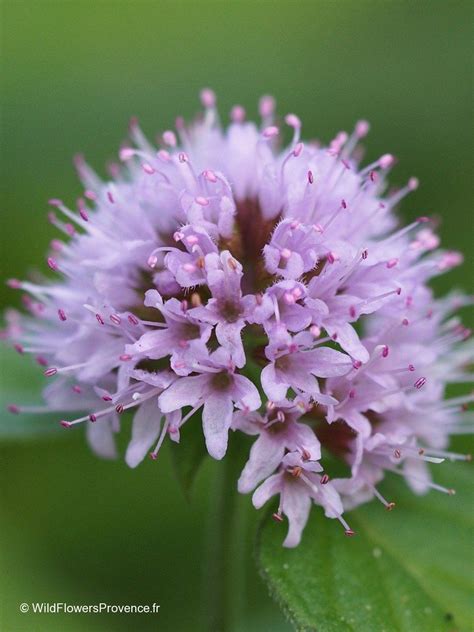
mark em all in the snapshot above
pixel 169 138
pixel 266 108
pixel 270 132
pixel 154 454
pixel 388 505
pixel 420 382
pixel 208 98
pixel 237 114
pixel 439 488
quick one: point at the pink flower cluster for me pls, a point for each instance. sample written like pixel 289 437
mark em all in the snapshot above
pixel 266 286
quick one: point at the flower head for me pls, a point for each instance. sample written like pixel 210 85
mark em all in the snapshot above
pixel 222 266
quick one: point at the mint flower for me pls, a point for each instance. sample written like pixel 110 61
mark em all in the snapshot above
pixel 267 287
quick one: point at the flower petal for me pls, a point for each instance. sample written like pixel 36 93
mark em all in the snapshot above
pixel 186 391
pixel 145 430
pixel 296 506
pixel 272 385
pixel 216 421
pixel 100 437
pixel 327 362
pixel 267 489
pixel 245 393
pixel 265 456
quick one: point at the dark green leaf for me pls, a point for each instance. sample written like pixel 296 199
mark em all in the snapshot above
pixel 188 455
pixel 408 570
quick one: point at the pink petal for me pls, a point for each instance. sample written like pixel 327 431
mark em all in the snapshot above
pixel 245 393
pixel 272 385
pixel 296 506
pixel 186 391
pixel 265 456
pixel 267 489
pixel 145 430
pixel 216 421
pixel 100 437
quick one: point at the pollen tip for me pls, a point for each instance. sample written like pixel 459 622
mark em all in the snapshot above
pixel 169 138
pixel 126 153
pixel 277 517
pixel 163 155
pixel 386 161
pixel 298 149
pixel 266 105
pixel 362 128
pixel 270 132
pixel 133 123
pixel 148 169
pixel 349 533
pixel 390 506
pixel 420 382
pixel 152 261
pixel 52 263
pixel 210 176
pixel 293 121
pixel 237 114
pixel 208 97
pixel 65 424
pixel 14 409
pixel 202 201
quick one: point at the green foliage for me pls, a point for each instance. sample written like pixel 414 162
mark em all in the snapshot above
pixel 403 571
pixel 21 384
pixel 188 455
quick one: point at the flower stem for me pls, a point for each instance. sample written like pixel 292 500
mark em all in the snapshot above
pixel 224 573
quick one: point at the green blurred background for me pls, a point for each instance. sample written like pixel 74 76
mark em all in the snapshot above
pixel 72 73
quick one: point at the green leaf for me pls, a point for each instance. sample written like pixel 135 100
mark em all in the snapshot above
pixel 188 455
pixel 408 570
